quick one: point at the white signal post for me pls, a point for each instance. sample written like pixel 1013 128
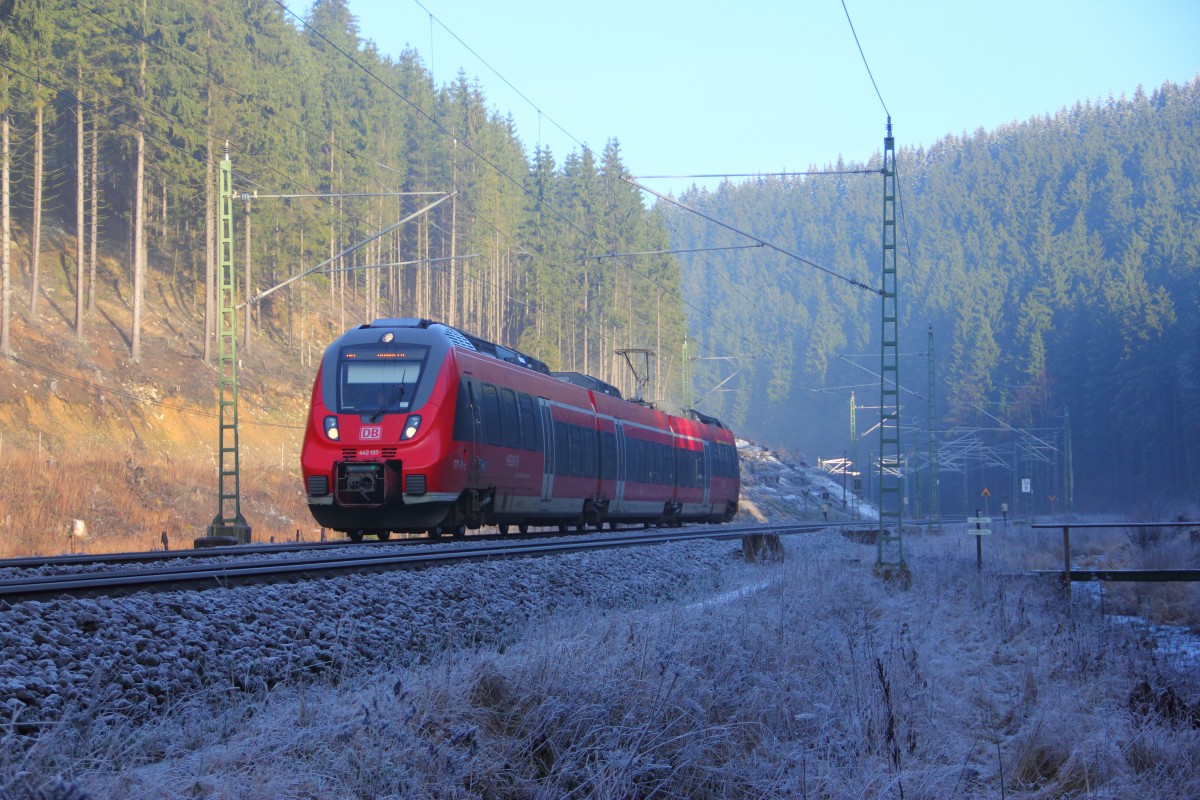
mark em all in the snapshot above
pixel 979 527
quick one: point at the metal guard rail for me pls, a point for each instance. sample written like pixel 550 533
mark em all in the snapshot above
pixel 1139 575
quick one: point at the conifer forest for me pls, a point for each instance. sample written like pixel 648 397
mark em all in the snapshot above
pixel 1050 264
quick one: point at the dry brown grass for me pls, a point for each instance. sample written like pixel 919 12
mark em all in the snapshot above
pixel 130 447
pixel 128 505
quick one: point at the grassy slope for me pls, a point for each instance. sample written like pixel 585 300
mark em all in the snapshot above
pixel 130 448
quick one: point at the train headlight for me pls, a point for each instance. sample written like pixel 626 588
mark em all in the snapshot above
pixel 331 428
pixel 411 426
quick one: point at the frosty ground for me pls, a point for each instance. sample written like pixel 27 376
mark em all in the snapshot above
pixel 668 672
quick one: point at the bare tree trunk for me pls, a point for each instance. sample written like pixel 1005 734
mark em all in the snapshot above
pixel 658 360
pixel 139 212
pixel 139 224
pixel 80 222
pixel 452 315
pixel 5 239
pixel 210 229
pixel 249 308
pixel 586 311
pixel 95 221
pixel 333 276
pixel 303 309
pixel 35 236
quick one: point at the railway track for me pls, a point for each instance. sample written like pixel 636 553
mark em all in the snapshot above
pixel 245 568
pixel 282 550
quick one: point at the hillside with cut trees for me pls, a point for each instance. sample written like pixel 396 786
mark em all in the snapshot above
pixel 114 119
pixel 1053 266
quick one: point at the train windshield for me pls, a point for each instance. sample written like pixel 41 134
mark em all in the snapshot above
pixel 378 381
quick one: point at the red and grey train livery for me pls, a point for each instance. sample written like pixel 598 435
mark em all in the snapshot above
pixel 418 426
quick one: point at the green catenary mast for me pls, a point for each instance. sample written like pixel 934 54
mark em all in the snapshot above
pixel 890 540
pixel 228 526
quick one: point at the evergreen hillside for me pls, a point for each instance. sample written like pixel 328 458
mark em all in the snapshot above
pixel 1055 262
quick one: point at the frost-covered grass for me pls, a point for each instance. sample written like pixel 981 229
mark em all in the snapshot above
pixel 816 680
pixel 1018 548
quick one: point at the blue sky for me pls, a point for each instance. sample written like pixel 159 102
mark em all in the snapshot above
pixel 717 87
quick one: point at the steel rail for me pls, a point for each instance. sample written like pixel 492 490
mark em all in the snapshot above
pixel 244 572
pixel 276 548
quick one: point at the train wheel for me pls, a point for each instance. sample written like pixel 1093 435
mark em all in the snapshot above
pixel 383 535
pixel 355 535
pixel 456 531
pixel 503 528
pixel 523 528
pixel 562 528
pixel 434 533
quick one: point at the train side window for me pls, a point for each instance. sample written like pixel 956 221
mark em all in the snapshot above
pixel 491 415
pixel 529 426
pixel 669 466
pixel 510 420
pixel 561 449
pixel 589 452
pixel 462 413
pixel 576 451
pixel 608 456
pixel 630 458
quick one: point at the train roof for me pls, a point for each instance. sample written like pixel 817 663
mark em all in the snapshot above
pixel 588 382
pixel 460 338
pixel 467 341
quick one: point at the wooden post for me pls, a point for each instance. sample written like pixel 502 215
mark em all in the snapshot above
pixel 1067 559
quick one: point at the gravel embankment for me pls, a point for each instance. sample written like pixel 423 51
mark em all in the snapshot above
pixel 88 658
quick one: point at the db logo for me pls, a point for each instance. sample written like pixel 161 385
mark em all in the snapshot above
pixel 371 432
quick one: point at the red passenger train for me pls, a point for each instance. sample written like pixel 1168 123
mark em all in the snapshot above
pixel 418 426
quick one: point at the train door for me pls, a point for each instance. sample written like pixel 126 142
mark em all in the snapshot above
pixel 548 440
pixel 706 473
pixel 475 443
pixel 619 497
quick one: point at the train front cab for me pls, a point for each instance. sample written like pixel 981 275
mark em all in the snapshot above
pixel 376 454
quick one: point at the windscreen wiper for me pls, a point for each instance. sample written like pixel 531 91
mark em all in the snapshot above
pixel 391 401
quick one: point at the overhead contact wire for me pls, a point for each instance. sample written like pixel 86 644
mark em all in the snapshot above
pixel 754 238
